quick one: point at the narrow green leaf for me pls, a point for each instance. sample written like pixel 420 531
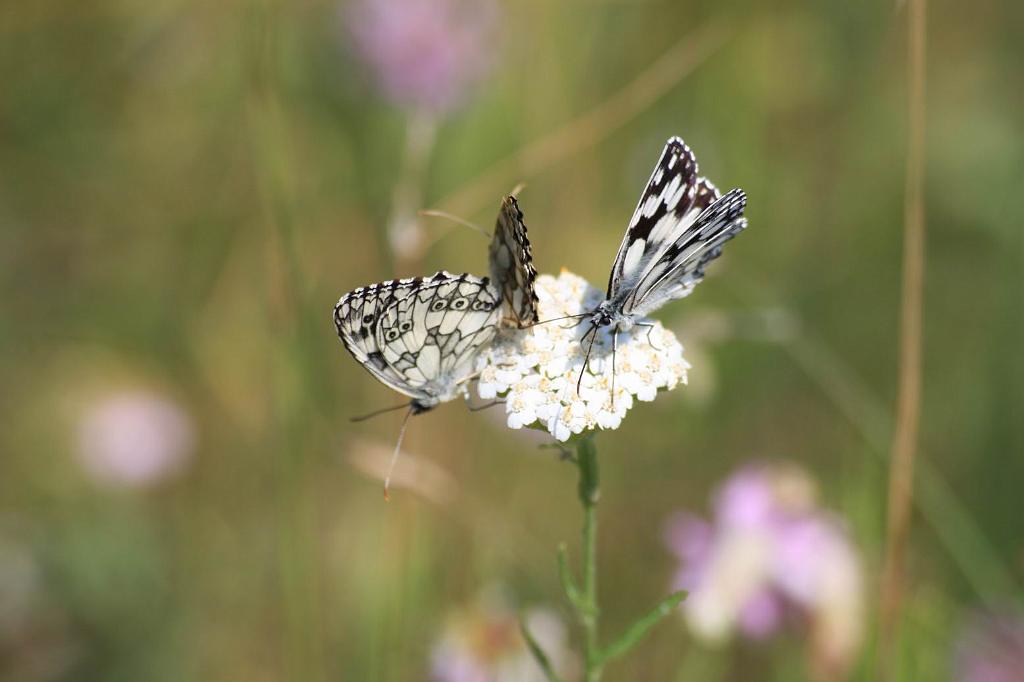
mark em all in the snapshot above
pixel 568 584
pixel 538 654
pixel 640 628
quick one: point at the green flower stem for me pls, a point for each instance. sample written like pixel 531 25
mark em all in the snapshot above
pixel 583 596
pixel 586 461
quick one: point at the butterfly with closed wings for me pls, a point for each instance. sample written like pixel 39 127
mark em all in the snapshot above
pixel 678 227
pixel 512 270
pixel 420 336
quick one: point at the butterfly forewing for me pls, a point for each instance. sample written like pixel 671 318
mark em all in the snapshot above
pixel 678 227
pixel 706 195
pixel 680 266
pixel 512 271
pixel 667 199
pixel 419 336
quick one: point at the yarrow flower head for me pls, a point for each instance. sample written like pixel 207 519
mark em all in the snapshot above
pixel 483 643
pixel 770 557
pixel 537 370
pixel 991 649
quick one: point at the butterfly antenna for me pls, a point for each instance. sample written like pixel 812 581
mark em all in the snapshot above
pixel 454 218
pixel 375 413
pixel 466 379
pixel 394 456
pixel 555 319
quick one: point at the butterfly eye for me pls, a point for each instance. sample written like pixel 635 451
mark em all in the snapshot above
pixel 367 319
pixel 405 326
pixel 459 304
pixel 391 334
pixel 438 305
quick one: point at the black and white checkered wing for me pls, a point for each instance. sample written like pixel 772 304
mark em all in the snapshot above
pixel 665 201
pixel 433 336
pixel 674 232
pixel 419 336
pixel 680 267
pixel 357 317
pixel 512 271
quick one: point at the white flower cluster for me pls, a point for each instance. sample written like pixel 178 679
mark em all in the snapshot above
pixel 537 369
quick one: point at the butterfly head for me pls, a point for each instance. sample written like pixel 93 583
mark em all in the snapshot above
pixel 421 405
pixel 606 315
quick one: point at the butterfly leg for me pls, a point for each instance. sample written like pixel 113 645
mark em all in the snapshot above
pixel 364 417
pixel 553 425
pixel 615 346
pixel 486 406
pixel 586 358
pixel 650 328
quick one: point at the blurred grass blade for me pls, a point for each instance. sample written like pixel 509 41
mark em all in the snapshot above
pixel 592 126
pixel 957 531
pixel 908 407
pixel 638 630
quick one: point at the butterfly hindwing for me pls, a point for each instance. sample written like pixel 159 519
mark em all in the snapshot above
pixel 435 334
pixel 512 271
pixel 357 316
pixel 422 334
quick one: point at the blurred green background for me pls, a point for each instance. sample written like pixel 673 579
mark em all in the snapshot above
pixel 187 187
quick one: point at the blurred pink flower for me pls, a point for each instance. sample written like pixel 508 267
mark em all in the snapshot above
pixel 424 54
pixel 483 643
pixel 991 649
pixel 134 438
pixel 770 557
